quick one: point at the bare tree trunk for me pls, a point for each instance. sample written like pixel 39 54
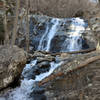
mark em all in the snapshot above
pixel 15 23
pixel 99 1
pixel 6 41
pixel 27 29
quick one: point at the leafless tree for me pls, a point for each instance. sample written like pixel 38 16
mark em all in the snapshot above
pixel 99 3
pixel 15 23
pixel 5 26
pixel 27 26
pixel 60 8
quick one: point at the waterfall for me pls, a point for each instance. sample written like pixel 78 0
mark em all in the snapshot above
pixel 52 32
pixel 48 36
pixel 75 35
pixel 41 43
pixel 73 42
pixel 28 85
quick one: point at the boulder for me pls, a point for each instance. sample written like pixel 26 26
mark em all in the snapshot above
pixel 44 64
pixel 43 56
pixel 12 62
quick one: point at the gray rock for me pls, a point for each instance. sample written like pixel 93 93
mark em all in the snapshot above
pixel 44 64
pixel 81 83
pixel 12 62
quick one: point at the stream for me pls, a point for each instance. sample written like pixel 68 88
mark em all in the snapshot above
pixel 32 73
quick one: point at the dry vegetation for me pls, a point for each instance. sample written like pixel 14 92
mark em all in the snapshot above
pixel 60 8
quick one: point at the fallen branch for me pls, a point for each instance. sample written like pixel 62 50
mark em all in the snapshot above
pixel 75 52
pixel 54 54
pixel 51 77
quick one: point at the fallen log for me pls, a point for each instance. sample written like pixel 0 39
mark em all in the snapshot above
pixel 75 52
pixel 71 52
pixel 59 74
pixel 55 54
pixel 83 51
pixel 51 77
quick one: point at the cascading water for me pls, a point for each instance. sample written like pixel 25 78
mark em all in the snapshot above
pixel 75 36
pixel 52 32
pixel 48 36
pixel 68 31
pixel 28 84
pixel 72 43
pixel 41 44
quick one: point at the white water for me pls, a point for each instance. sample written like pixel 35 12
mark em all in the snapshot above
pixel 77 28
pixel 52 32
pixel 49 35
pixel 27 86
pixel 41 44
pixel 74 40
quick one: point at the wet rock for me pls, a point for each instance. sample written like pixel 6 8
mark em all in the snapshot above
pixel 12 62
pixel 38 92
pixel 38 70
pixel 44 64
pixel 57 43
pixel 31 72
pixel 85 44
pixel 39 97
pixel 35 42
pixel 43 70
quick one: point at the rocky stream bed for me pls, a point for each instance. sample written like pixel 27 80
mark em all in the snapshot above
pixel 49 73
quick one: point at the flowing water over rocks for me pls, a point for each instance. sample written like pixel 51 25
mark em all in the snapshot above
pixel 43 34
pixel 58 35
pixel 49 35
pixel 31 75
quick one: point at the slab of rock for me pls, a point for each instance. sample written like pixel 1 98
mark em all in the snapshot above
pixel 45 64
pixel 81 84
pixel 12 62
pixel 43 56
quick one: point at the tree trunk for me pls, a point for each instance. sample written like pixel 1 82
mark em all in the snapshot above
pixel 15 23
pixel 6 41
pixel 27 26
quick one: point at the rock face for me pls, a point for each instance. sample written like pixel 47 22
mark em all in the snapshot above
pixel 12 61
pixel 95 27
pixel 81 84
